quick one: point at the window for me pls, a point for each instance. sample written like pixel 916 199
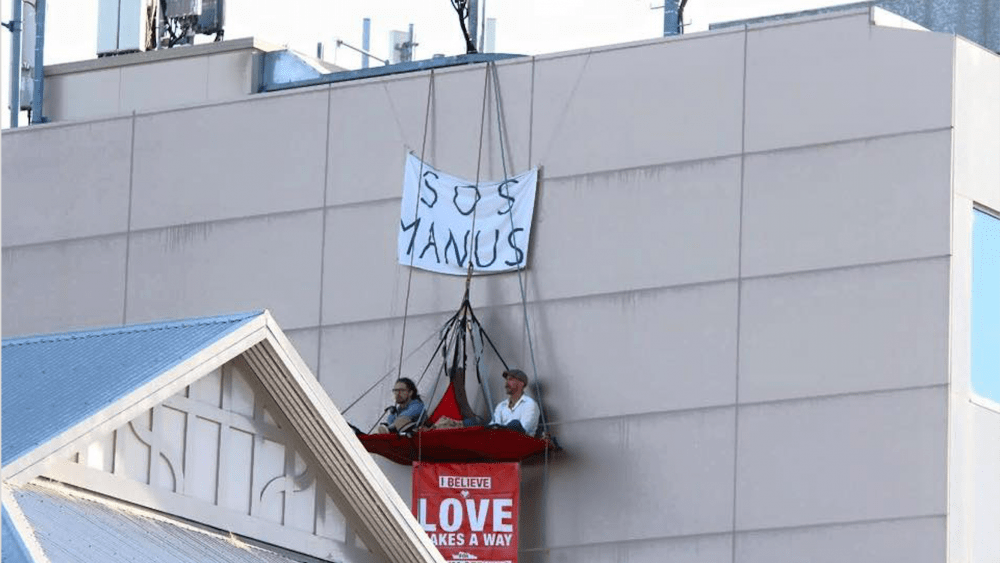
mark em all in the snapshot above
pixel 986 305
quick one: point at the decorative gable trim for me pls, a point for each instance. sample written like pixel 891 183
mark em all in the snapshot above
pixel 34 463
pixel 386 524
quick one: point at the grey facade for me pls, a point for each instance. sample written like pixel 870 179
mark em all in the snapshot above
pixel 748 285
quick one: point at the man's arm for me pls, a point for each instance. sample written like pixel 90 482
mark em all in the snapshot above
pixel 413 410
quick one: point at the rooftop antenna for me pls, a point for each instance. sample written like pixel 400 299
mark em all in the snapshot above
pixel 14 25
pixel 673 17
pixel 401 46
pixel 366 40
pixel 482 29
pixel 37 95
pixel 489 35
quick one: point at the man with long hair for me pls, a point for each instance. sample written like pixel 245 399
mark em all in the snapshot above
pixel 406 409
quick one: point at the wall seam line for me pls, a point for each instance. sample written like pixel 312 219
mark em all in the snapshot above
pixel 128 220
pixel 637 290
pixel 322 242
pixel 760 403
pixel 695 536
pixel 739 294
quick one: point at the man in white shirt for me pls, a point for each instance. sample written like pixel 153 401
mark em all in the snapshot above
pixel 519 412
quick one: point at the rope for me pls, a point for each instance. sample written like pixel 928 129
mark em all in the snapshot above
pixel 520 266
pixel 479 164
pixel 524 297
pixel 450 324
pixel 416 203
pixel 388 373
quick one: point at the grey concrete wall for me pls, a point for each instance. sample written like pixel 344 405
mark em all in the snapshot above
pixel 153 80
pixel 739 287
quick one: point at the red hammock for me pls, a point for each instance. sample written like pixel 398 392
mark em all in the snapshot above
pixel 472 444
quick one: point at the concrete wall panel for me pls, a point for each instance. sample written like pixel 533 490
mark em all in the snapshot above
pixel 85 194
pixel 637 478
pixel 225 267
pixel 636 106
pixel 230 160
pixel 659 350
pixel 844 204
pixel 306 342
pixel 168 84
pixel 704 549
pixel 841 78
pixel 845 331
pixel 101 89
pixel 230 75
pixel 977 123
pixel 62 286
pixel 859 457
pixel 920 540
pixel 636 229
pixel 372 126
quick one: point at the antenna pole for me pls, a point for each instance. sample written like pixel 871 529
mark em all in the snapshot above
pixel 366 37
pixel 15 62
pixel 482 29
pixel 473 21
pixel 673 17
pixel 408 50
pixel 36 101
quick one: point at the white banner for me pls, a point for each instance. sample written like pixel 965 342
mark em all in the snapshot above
pixel 436 234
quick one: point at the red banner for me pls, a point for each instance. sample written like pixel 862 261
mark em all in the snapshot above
pixel 469 510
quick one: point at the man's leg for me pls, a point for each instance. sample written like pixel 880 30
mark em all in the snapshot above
pixel 516 425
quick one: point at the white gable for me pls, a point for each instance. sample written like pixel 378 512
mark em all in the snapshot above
pixel 240 437
pixel 220 452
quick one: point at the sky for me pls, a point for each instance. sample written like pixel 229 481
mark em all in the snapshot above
pixel 527 27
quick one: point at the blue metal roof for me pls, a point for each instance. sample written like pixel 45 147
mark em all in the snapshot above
pixel 76 528
pixel 14 550
pixel 53 382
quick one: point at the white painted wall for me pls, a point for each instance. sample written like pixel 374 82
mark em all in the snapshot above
pixel 742 285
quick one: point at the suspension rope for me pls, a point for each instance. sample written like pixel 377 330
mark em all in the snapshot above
pixel 520 265
pixel 416 208
pixel 524 299
pixel 441 342
pixel 479 164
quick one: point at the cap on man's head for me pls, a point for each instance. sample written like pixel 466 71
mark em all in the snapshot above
pixel 516 374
